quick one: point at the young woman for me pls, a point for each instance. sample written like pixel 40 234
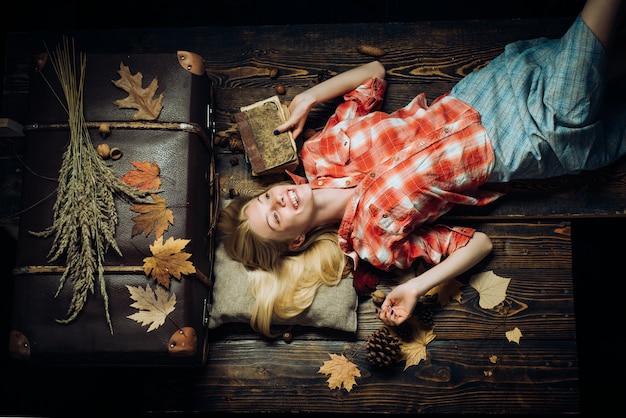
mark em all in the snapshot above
pixel 381 180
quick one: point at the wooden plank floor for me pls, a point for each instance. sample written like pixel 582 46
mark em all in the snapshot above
pixel 247 373
pixel 540 373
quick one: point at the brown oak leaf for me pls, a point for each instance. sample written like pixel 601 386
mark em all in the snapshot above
pixel 153 306
pixel 167 260
pixel 154 216
pixel 148 107
pixel 144 177
pixel 342 372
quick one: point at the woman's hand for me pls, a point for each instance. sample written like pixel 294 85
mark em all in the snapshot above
pixel 299 110
pixel 334 87
pixel 399 304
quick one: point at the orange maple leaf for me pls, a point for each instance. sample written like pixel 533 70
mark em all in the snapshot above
pixel 167 260
pixel 148 107
pixel 342 372
pixel 153 216
pixel 145 177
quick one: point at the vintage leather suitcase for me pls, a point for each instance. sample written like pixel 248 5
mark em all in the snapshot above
pixel 179 142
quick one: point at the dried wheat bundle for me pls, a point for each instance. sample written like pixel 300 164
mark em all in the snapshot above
pixel 85 216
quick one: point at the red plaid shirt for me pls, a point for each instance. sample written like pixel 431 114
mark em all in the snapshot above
pixel 409 167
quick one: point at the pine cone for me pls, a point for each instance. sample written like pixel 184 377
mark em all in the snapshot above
pixel 405 331
pixel 323 76
pixel 424 311
pixel 425 315
pixel 383 349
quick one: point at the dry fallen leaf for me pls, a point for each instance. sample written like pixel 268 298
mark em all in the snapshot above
pixel 447 291
pixel 342 372
pixel 148 107
pixel 144 177
pixel 490 287
pixel 415 351
pixel 153 216
pixel 514 335
pixel 493 358
pixel 564 231
pixel 168 260
pixel 153 306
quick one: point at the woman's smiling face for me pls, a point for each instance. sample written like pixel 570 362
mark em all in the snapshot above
pixel 282 213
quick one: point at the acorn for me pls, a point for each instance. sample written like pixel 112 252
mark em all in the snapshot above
pixel 372 51
pixel 378 297
pixel 104 151
pixel 280 89
pixel 116 153
pixel 104 130
pixel 273 73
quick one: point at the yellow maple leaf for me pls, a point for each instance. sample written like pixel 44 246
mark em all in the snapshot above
pixel 144 177
pixel 447 291
pixel 342 372
pixel 153 306
pixel 514 335
pixel 415 351
pixel 152 216
pixel 167 260
pixel 148 107
pixel 490 287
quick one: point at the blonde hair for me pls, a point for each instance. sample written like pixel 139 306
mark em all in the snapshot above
pixel 283 283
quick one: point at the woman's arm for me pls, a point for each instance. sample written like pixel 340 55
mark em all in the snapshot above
pixel 336 86
pixel 401 301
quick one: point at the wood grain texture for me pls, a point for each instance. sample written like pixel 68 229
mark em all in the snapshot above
pixel 285 378
pixel 247 373
pixel 427 57
pixel 530 229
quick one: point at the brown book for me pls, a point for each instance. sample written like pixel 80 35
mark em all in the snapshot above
pixel 266 152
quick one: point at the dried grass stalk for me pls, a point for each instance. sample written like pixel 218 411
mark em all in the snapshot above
pixel 85 216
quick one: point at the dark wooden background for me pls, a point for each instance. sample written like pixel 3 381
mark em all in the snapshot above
pixel 597 267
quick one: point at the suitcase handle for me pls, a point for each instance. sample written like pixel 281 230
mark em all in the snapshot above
pixel 168 126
